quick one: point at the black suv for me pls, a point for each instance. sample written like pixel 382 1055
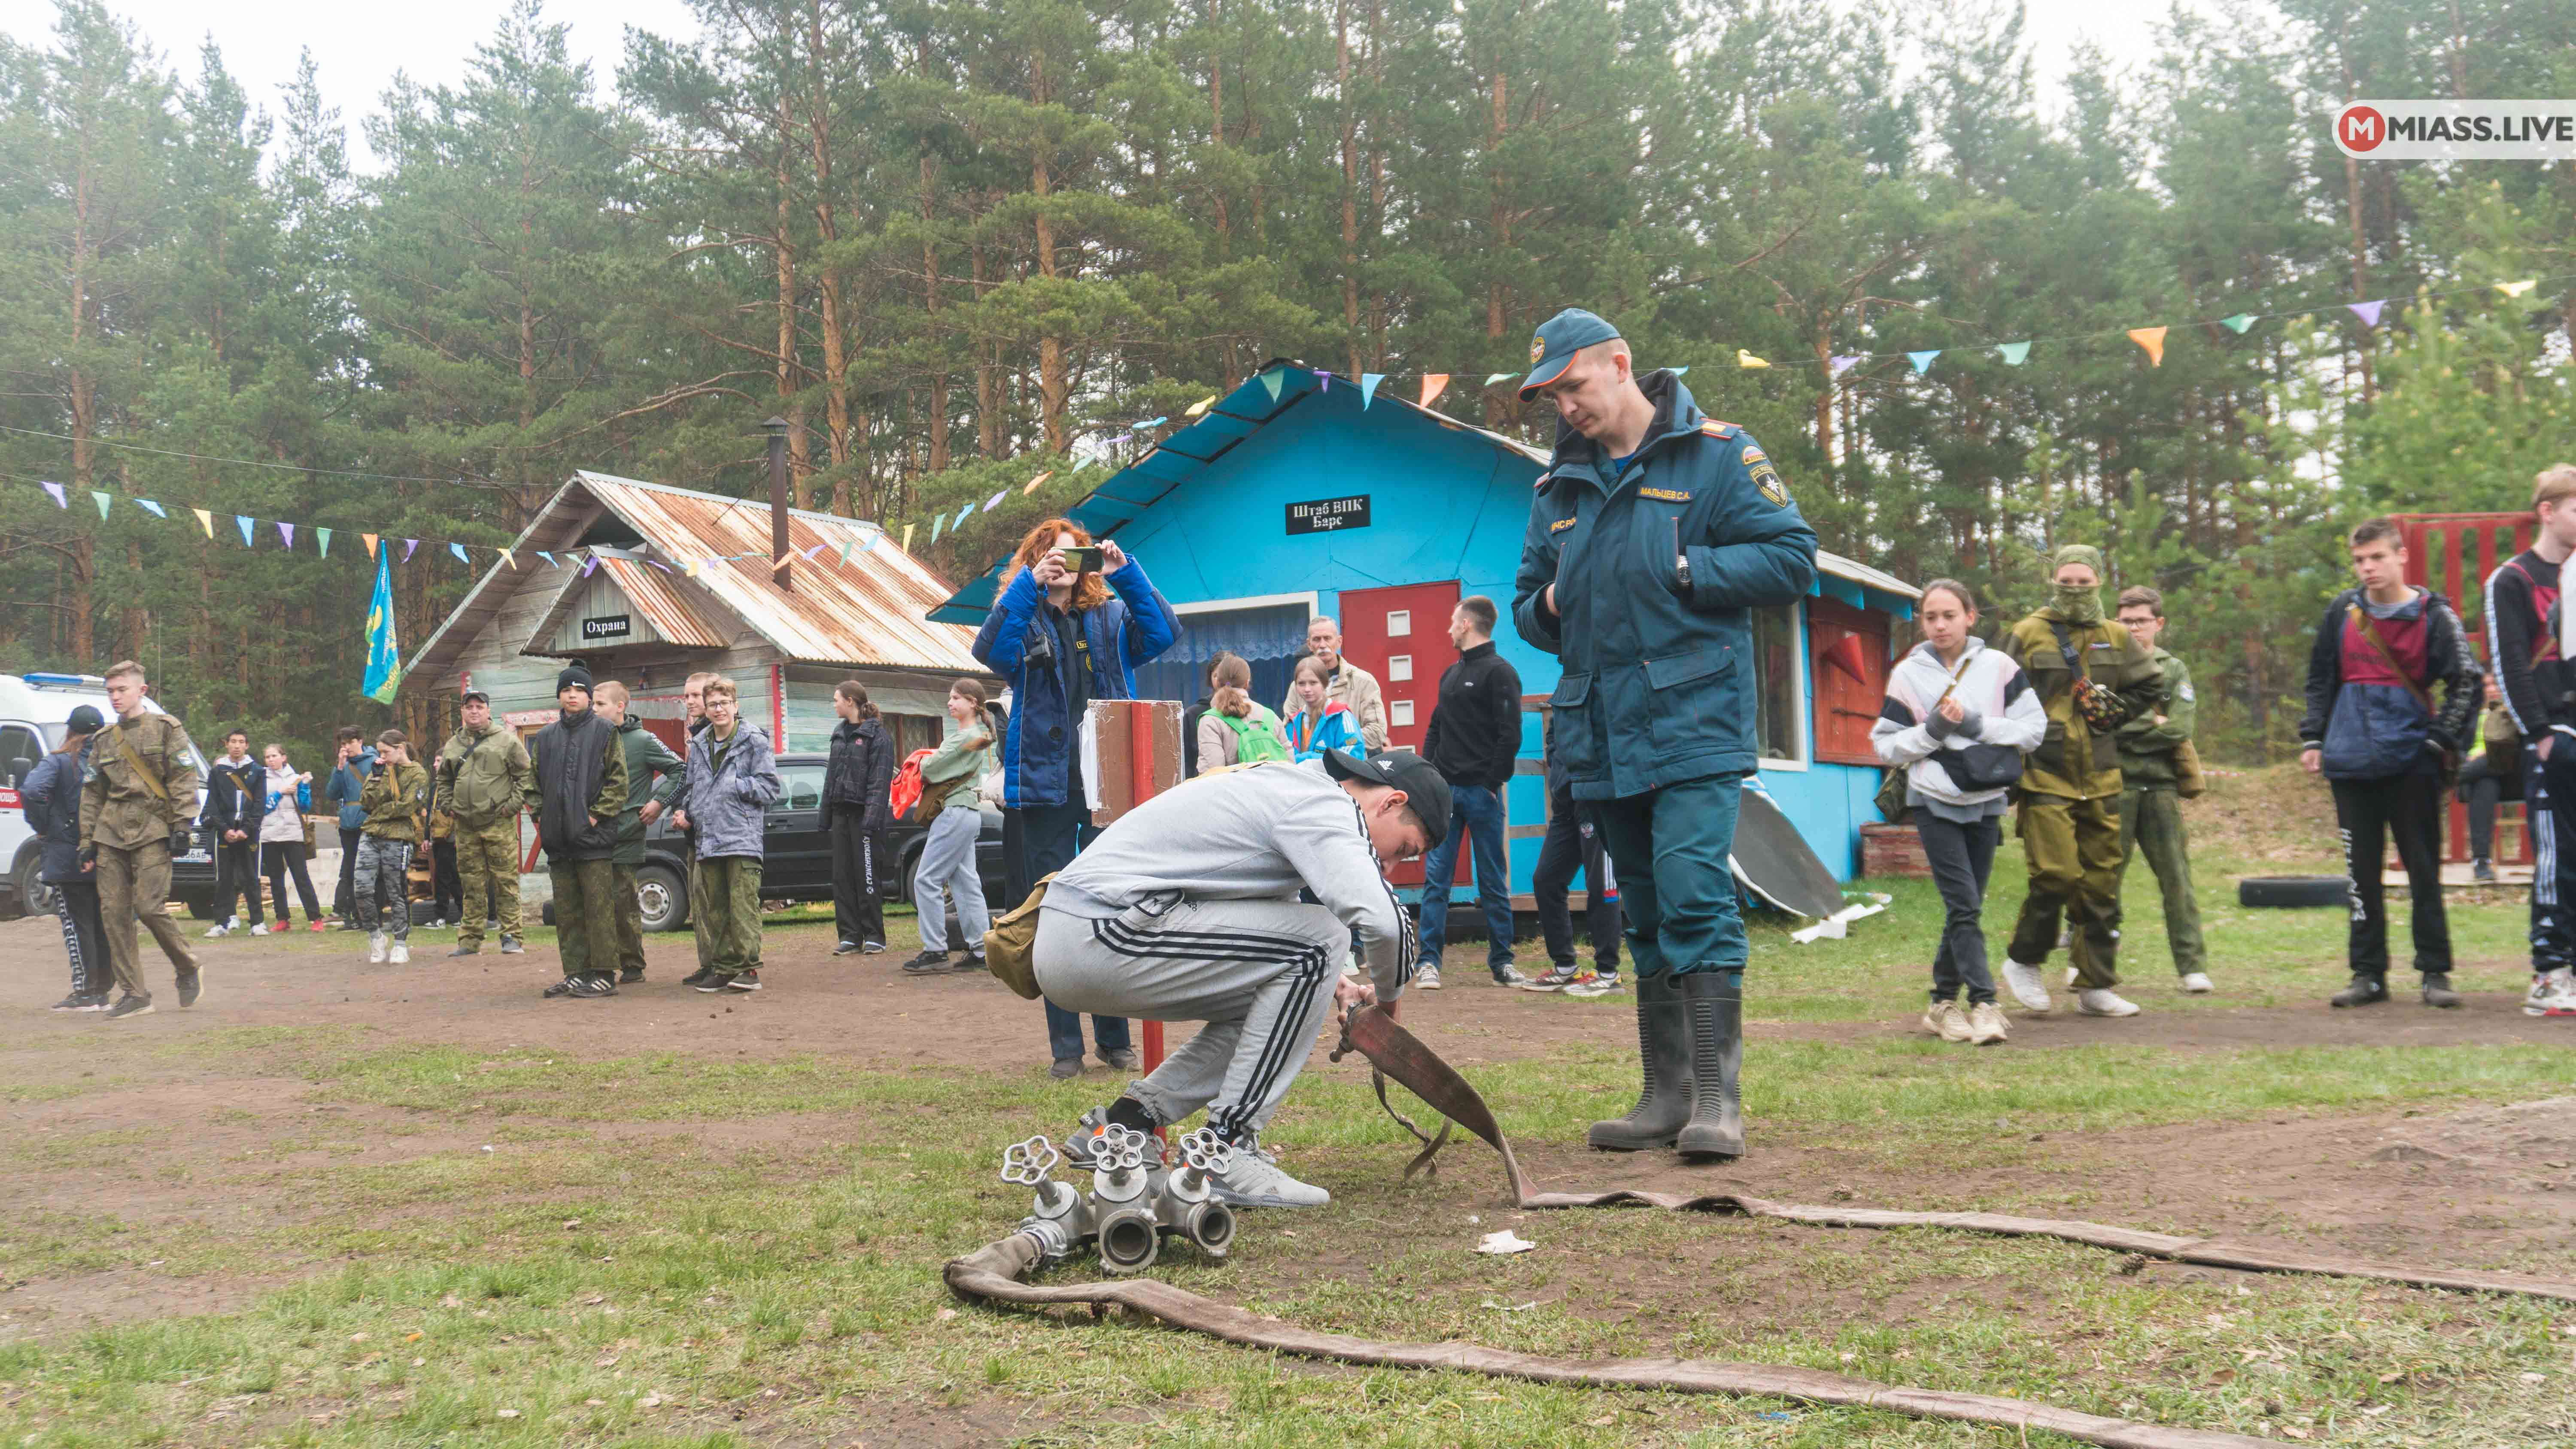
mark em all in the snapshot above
pixel 799 851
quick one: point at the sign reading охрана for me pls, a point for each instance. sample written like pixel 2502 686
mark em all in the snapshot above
pixel 613 626
pixel 2457 130
pixel 1329 515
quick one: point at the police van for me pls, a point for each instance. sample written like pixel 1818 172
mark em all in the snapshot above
pixel 34 710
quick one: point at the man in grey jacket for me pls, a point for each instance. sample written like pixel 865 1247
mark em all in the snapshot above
pixel 1187 909
pixel 732 777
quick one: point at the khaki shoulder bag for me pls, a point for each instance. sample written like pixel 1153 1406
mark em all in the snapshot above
pixel 1010 948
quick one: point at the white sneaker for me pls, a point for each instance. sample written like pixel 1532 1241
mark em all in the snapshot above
pixel 2102 1001
pixel 1428 979
pixel 1253 1180
pixel 1944 1020
pixel 375 948
pixel 2198 984
pixel 2552 994
pixel 1986 1023
pixel 260 930
pixel 401 953
pixel 2026 986
pixel 2071 974
pixel 219 929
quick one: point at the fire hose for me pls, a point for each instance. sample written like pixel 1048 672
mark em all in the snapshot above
pixel 995 1273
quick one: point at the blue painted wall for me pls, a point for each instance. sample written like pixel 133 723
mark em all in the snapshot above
pixel 1443 505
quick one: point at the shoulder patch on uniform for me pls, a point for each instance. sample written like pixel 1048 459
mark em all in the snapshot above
pixel 1753 454
pixel 1767 478
pixel 1665 495
pixel 2185 692
pixel 1561 525
pixel 1711 427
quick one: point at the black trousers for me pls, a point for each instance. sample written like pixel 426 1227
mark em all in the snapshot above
pixel 859 874
pixel 344 901
pixel 1037 841
pixel 446 887
pixel 1962 857
pixel 84 935
pixel 284 860
pixel 1572 841
pixel 236 873
pixel 2408 809
pixel 2548 791
pixel 2482 788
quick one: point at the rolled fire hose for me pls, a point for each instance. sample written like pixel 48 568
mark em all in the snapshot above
pixel 994 1272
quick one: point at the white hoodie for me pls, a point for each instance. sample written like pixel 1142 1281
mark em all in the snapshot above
pixel 2002 709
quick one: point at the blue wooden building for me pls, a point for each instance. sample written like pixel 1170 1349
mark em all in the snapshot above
pixel 1272 509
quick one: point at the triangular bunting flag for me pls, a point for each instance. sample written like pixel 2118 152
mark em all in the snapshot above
pixel 588 564
pixel 657 563
pixel 1743 359
pixel 1839 365
pixel 996 500
pixel 846 545
pixel 1034 482
pixel 689 566
pixel 371 543
pixel 102 501
pixel 509 558
pixel 244 524
pixel 1271 381
pixel 458 549
pixel 906 545
pixel 2516 289
pixel 1368 388
pixel 818 548
pixel 872 540
pixel 2153 340
pixel 1152 423
pixel 322 538
pixel 1201 406
pixel 56 489
pixel 936 525
pixel 549 558
pixel 148 506
pixel 410 544
pixel 286 533
pixel 1122 437
pixel 2368 312
pixel 2238 323
pixel 1433 384
pixel 205 520
pixel 963 514
pixel 2013 353
pixel 1493 378
pixel 1922 360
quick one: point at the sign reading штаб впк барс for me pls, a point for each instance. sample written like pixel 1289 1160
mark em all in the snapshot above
pixel 614 626
pixel 1329 515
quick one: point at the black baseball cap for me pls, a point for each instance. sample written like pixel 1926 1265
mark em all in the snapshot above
pixel 84 720
pixel 1421 783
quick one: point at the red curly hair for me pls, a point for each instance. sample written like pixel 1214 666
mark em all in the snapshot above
pixel 1090 591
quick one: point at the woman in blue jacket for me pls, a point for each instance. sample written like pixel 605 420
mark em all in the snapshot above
pixel 1064 639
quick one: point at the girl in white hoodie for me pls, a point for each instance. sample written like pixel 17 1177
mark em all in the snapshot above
pixel 281 837
pixel 1958 714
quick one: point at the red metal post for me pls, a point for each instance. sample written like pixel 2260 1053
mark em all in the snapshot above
pixel 2468 595
pixel 1140 765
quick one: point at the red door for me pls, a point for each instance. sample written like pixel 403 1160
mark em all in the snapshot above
pixel 1401 635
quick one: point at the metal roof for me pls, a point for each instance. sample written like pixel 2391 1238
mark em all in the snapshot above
pixel 870 611
pixel 1130 491
pixel 647 589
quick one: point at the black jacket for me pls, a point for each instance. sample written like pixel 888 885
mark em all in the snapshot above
pixel 572 763
pixel 53 798
pixel 1475 733
pixel 1190 736
pixel 235 798
pixel 2522 604
pixel 861 774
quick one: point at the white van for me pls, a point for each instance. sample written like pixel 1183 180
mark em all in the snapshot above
pixel 34 709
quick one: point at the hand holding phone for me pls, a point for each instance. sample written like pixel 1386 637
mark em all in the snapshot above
pixel 1082 559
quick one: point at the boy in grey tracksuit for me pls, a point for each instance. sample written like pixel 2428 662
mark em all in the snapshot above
pixel 1187 909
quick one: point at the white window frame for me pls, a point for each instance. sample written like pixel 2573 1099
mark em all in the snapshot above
pixel 1311 598
pixel 1806 703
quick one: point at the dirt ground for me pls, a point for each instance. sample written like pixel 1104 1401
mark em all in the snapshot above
pixel 2471 1183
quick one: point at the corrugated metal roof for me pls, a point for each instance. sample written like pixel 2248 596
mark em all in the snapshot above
pixel 1130 491
pixel 870 611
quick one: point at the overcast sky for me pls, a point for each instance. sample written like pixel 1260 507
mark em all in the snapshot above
pixel 360 47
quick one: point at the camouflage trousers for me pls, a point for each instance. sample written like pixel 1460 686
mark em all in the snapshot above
pixel 487 859
pixel 134 885
pixel 585 915
pixel 728 912
pixel 630 920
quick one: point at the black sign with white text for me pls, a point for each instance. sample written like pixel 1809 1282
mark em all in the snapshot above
pixel 615 626
pixel 1329 515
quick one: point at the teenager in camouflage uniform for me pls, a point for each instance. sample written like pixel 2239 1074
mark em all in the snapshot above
pixel 2150 800
pixel 135 807
pixel 484 776
pixel 648 761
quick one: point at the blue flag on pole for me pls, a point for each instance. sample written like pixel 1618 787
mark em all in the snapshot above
pixel 384 660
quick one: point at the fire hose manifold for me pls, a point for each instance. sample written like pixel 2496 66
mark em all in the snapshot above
pixel 1066 1222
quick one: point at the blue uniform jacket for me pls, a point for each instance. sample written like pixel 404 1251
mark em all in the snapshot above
pixel 1131 629
pixel 349 781
pixel 52 796
pixel 1658 685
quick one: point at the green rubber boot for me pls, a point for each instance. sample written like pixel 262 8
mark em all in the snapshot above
pixel 1663 1042
pixel 1714 1001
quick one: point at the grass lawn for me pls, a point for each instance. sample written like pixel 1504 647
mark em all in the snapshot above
pixel 378 1237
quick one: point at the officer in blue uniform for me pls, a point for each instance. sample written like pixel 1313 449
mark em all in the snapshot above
pixel 1653 533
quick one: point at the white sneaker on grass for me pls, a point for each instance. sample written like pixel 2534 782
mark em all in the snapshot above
pixel 1944 1020
pixel 1428 979
pixel 2071 974
pixel 2552 994
pixel 1986 1024
pixel 1253 1180
pixel 2102 1001
pixel 376 944
pixel 401 953
pixel 2197 983
pixel 219 930
pixel 2026 986
pixel 261 929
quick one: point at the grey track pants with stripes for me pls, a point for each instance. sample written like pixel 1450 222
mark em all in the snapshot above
pixel 1260 973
